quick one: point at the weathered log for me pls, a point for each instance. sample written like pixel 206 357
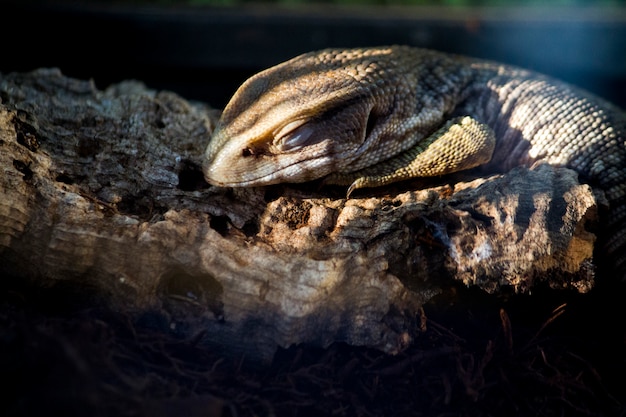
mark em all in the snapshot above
pixel 102 190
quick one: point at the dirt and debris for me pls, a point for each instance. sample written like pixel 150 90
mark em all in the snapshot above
pixel 555 353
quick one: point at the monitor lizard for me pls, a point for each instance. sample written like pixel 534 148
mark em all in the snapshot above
pixel 367 117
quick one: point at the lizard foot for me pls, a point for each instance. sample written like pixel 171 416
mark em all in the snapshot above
pixel 462 143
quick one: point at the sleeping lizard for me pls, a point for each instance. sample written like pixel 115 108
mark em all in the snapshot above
pixel 368 117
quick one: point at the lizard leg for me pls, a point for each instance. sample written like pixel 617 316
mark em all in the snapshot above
pixel 462 143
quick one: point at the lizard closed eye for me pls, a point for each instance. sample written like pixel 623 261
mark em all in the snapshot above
pixel 293 136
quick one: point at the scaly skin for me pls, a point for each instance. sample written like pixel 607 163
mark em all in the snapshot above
pixel 368 117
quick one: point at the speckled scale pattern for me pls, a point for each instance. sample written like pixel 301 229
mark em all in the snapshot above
pixel 545 120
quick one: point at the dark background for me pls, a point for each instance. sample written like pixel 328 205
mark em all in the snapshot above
pixel 204 53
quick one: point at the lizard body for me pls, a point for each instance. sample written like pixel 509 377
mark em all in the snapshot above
pixel 368 117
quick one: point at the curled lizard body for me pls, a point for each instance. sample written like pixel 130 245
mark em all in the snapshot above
pixel 368 117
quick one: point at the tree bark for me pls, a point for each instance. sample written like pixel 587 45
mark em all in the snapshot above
pixel 103 191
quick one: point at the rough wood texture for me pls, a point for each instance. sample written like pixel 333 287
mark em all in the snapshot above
pixel 101 191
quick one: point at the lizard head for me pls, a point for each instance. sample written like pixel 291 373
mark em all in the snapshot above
pixel 300 120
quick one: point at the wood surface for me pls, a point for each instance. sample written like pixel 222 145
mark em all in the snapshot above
pixel 102 192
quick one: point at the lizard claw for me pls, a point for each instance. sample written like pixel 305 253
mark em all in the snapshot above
pixel 351 188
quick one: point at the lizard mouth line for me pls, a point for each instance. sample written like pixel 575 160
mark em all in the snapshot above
pixel 292 171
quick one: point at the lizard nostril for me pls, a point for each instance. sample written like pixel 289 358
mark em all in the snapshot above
pixel 256 151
